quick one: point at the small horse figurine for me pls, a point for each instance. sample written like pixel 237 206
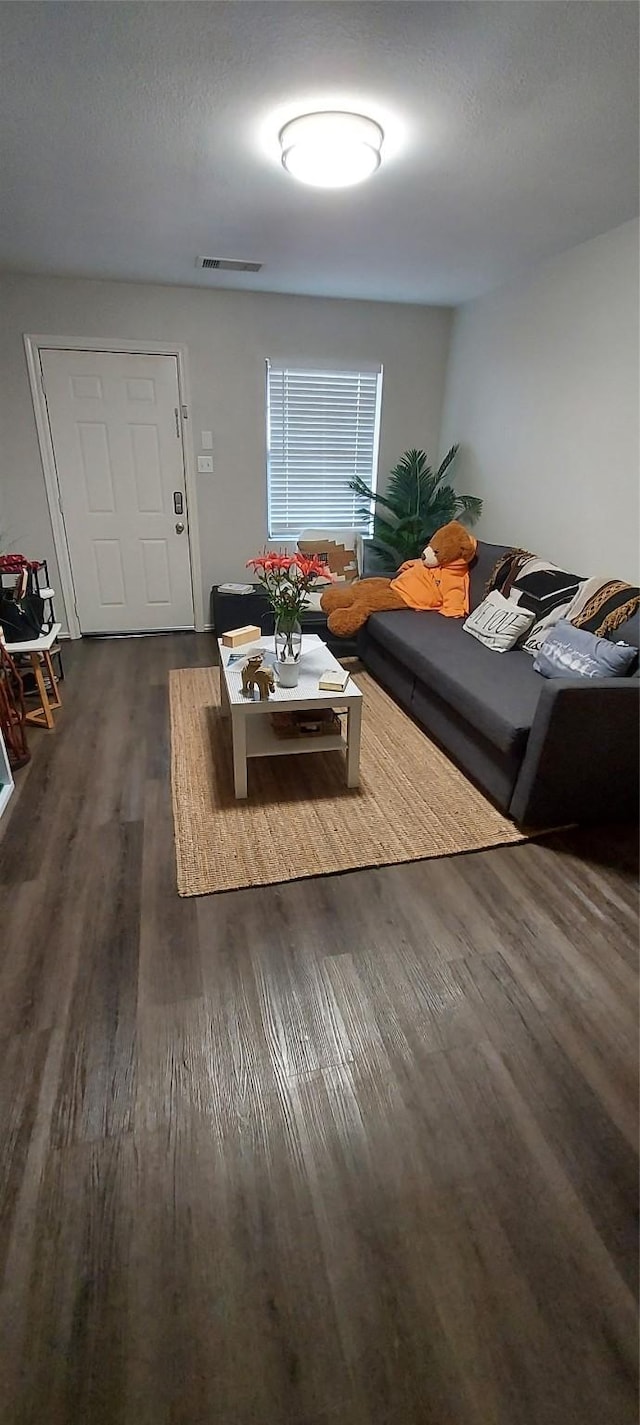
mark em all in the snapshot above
pixel 254 676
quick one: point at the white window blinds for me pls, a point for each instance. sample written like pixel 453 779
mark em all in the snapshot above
pixel 322 429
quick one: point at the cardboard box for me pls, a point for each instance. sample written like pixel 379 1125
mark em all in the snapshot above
pixel 237 636
pixel 314 723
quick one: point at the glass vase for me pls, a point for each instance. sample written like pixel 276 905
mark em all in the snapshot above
pixel 288 646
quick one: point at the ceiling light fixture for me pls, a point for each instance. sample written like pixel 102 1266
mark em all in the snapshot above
pixel 331 149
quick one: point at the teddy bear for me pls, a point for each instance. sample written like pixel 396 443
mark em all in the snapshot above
pixel 439 580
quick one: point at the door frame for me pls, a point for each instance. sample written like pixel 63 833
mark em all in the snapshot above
pixel 33 344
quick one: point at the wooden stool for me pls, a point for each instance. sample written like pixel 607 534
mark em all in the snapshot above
pixel 39 653
pixel 43 716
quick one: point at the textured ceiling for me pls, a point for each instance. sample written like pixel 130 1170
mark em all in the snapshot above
pixel 135 136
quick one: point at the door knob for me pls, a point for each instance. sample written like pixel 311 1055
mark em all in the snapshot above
pixel 179 527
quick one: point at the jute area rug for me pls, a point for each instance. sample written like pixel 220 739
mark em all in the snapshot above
pixel 299 818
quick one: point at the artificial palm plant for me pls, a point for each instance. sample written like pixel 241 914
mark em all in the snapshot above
pixel 415 504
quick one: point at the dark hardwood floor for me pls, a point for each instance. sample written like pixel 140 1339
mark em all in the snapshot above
pixel 357 1150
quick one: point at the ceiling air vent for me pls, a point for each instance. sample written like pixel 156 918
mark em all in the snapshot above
pixel 227 264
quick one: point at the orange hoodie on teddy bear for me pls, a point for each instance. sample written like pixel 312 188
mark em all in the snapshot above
pixel 438 581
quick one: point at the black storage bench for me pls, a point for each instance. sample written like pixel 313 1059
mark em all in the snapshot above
pixel 235 610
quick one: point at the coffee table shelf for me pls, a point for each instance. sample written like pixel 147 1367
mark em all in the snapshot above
pixel 262 741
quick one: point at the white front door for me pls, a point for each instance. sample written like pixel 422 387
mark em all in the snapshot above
pixel 117 438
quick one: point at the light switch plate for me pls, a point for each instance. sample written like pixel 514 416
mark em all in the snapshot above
pixel 206 439
pixel 205 465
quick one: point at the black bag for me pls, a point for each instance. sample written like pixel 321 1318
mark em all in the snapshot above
pixel 22 619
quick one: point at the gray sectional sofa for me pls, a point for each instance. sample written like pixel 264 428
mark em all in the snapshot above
pixel 547 751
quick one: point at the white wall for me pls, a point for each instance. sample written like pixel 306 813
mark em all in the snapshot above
pixel 542 391
pixel 229 335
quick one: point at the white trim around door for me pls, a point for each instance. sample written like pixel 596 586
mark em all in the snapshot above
pixel 33 345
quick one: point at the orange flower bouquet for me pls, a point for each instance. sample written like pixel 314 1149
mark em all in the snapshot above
pixel 287 580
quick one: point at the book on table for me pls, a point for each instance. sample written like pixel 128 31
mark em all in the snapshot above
pixel 333 680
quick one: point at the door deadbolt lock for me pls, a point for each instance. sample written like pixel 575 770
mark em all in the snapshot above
pixel 179 527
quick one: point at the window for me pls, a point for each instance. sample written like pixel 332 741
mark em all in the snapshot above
pixel 322 429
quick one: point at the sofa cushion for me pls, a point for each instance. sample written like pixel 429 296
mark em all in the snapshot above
pixel 629 632
pixel 498 696
pixel 487 556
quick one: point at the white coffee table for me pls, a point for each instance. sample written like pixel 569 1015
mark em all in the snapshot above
pixel 251 730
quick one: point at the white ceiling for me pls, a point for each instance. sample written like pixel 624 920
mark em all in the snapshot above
pixel 135 136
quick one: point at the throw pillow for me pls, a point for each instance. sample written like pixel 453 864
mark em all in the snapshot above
pixel 339 550
pixel 569 652
pixel 498 623
pixel 547 592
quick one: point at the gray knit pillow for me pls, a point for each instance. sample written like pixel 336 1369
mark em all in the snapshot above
pixel 570 652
